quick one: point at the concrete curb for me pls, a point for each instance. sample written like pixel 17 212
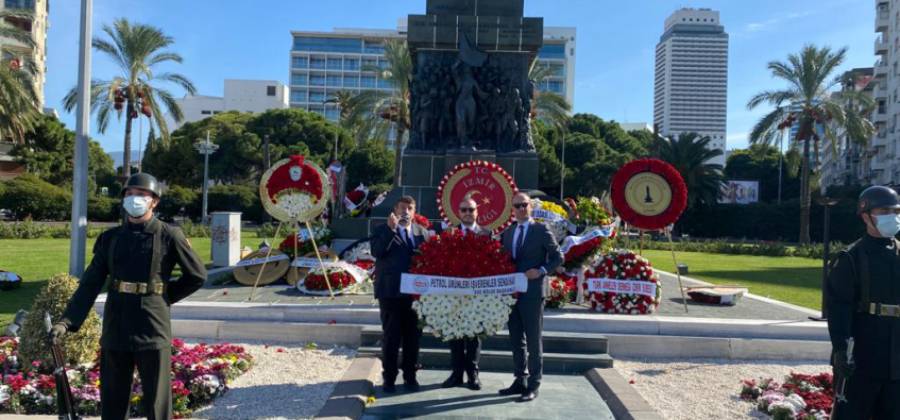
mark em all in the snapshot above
pixel 346 335
pixel 624 402
pixel 348 400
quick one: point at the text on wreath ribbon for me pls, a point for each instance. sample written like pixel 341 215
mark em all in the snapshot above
pixel 424 284
pixel 605 285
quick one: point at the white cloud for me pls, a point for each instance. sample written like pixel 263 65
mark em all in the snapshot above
pixel 775 21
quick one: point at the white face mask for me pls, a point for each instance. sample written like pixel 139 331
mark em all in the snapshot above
pixel 136 206
pixel 887 224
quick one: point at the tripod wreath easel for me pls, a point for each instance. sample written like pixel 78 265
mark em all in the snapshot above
pixel 294 192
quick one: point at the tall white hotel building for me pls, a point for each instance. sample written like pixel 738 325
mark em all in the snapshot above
pixel 691 83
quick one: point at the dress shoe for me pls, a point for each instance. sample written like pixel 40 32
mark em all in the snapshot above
pixel 411 385
pixel 453 381
pixel 529 395
pixel 389 388
pixel 474 383
pixel 516 388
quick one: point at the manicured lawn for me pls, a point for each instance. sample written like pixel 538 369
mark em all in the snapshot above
pixel 789 279
pixel 38 259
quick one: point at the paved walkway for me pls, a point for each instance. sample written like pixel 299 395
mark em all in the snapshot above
pixel 562 397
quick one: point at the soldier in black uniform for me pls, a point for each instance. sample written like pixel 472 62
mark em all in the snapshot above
pixel 863 298
pixel 138 258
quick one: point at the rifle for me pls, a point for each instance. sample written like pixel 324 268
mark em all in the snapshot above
pixel 65 403
pixel 841 394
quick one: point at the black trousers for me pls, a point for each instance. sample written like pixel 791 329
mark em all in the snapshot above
pixel 464 354
pixel 867 398
pixel 401 329
pixel 526 328
pixel 117 372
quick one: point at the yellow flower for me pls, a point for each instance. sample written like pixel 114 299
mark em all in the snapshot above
pixel 370 400
pixel 554 208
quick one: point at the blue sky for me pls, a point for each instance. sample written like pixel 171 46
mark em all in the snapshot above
pixel 614 72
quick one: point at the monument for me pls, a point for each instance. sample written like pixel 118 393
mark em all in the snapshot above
pixel 470 98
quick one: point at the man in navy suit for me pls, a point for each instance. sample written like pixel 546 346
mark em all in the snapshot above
pixel 393 245
pixel 535 252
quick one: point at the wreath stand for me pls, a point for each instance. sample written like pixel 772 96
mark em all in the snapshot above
pixel 294 225
pixel 668 233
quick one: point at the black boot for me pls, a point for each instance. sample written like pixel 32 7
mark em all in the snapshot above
pixel 517 388
pixel 474 383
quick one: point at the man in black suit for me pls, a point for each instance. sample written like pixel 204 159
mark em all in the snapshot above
pixel 464 352
pixel 393 245
pixel 536 253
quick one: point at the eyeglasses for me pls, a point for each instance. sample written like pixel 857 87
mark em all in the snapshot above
pixel 466 210
pixel 520 205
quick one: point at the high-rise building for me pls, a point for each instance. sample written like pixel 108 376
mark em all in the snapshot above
pixel 37 26
pixel 323 63
pixel 883 158
pixel 240 95
pixel 846 162
pixel 691 80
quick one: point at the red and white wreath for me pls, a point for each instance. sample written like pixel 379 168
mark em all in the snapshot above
pixel 623 283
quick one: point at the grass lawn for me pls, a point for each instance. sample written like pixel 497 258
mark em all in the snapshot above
pixel 788 279
pixel 38 259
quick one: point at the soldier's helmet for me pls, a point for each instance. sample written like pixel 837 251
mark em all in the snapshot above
pixel 144 181
pixel 877 197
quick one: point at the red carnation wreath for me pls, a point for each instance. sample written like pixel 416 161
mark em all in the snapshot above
pixel 561 291
pixel 661 169
pixel 281 180
pixel 340 280
pixel 453 254
pixel 624 265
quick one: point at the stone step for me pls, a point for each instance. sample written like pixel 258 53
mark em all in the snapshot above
pixel 502 361
pixel 554 342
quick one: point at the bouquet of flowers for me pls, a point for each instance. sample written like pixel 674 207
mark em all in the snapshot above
pixel 800 397
pixel 338 279
pixel 590 212
pixel 624 265
pixel 562 290
pixel 598 227
pixel 360 255
pixel 302 243
pixel 551 214
pixel 454 317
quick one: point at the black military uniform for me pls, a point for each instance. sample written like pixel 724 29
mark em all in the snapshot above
pixel 863 298
pixel 138 260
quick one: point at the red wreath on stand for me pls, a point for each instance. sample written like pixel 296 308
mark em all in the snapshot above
pixel 664 170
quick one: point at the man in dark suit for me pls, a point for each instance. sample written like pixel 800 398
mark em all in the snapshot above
pixel 535 253
pixel 393 245
pixel 464 352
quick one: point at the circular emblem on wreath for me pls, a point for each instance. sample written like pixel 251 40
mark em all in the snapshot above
pixel 486 183
pixel 294 190
pixel 649 194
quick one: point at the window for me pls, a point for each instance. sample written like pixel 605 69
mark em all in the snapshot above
pixel 299 79
pixel 332 113
pixel 369 63
pixel 298 95
pixel 373 47
pixel 316 80
pixel 351 81
pixel 305 43
pixel 317 97
pixel 270 90
pixel 300 62
pixel 333 81
pixel 317 63
pixel 334 64
pixel 557 51
pixel 383 64
pixel 351 64
pixel 19 4
pixel 384 84
pixel 368 82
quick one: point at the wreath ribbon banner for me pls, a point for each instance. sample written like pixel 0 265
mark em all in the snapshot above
pixel 424 284
pixel 263 260
pixel 607 285
pixel 572 241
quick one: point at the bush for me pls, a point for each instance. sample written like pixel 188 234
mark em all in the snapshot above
pixel 176 198
pixel 80 347
pixel 32 230
pixel 103 209
pixel 242 198
pixel 763 248
pixel 194 230
pixel 266 231
pixel 29 197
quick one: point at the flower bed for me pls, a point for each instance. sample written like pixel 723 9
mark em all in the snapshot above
pixel 800 397
pixel 199 374
pixel 453 317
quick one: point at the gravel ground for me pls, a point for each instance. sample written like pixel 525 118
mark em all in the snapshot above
pixel 287 382
pixel 704 388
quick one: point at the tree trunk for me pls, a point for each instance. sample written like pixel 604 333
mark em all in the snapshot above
pixel 398 158
pixel 804 192
pixel 126 165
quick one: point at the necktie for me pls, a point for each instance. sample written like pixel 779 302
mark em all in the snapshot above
pixel 519 241
pixel 408 238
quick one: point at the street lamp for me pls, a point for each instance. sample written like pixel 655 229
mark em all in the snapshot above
pixel 78 244
pixel 205 148
pixel 827 203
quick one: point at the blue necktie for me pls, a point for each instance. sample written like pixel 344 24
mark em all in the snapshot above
pixel 520 241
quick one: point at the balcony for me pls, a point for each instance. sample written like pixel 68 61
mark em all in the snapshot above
pixel 880 117
pixel 881 70
pixel 882 19
pixel 881 46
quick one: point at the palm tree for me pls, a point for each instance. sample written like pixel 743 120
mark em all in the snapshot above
pixel 347 102
pixel 136 49
pixel 690 154
pixel 807 102
pixel 18 97
pixel 376 110
pixel 549 107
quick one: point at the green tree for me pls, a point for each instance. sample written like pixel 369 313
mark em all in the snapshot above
pixel 137 49
pixel 690 154
pixel 761 163
pixel 549 107
pixel 807 102
pixel 378 110
pixel 18 97
pixel 370 164
pixel 347 102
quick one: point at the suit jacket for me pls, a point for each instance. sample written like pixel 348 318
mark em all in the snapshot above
pixel 539 250
pixel 393 257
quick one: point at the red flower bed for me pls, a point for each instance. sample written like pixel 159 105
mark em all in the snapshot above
pixel 339 280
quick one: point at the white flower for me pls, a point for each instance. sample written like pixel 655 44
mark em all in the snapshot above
pixel 4 394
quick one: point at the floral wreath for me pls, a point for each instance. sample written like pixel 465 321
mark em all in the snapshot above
pixel 294 190
pixel 454 317
pixel 562 289
pixel 669 174
pixel 558 225
pixel 624 265
pixel 498 173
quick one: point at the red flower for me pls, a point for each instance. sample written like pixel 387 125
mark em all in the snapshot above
pixel 484 256
pixel 658 167
pixel 310 180
pixel 422 221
